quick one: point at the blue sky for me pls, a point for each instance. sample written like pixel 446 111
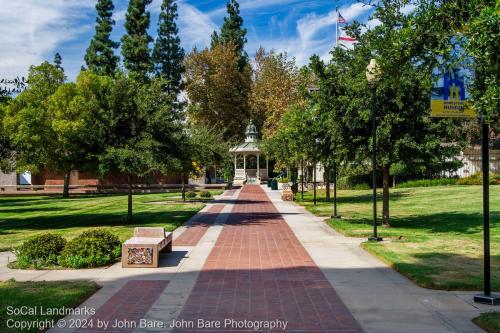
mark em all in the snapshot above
pixel 34 30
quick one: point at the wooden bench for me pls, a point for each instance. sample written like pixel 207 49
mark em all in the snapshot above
pixel 143 249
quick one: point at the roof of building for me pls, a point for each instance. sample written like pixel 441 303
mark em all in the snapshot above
pixel 246 147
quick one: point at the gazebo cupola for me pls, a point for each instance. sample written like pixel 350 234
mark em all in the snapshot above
pixel 249 163
pixel 251 133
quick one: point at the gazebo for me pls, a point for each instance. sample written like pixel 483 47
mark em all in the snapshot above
pixel 249 163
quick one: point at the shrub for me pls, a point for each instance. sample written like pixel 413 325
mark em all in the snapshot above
pixel 477 179
pixel 205 194
pixel 428 182
pixel 40 251
pixel 283 180
pixel 361 187
pixel 91 248
pixel 352 183
pixel 191 194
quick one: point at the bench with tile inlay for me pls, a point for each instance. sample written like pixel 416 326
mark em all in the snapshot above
pixel 143 249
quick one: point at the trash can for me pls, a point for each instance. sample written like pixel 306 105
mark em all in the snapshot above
pixel 274 184
pixel 269 181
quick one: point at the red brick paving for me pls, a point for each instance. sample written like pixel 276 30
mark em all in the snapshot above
pixel 193 233
pixel 130 303
pixel 230 193
pixel 258 270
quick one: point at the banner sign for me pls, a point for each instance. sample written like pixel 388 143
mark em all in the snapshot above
pixel 450 97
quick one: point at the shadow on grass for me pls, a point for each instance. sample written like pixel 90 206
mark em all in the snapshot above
pixel 455 222
pixel 446 271
pixel 352 199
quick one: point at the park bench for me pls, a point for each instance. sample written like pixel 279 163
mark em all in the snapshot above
pixel 143 249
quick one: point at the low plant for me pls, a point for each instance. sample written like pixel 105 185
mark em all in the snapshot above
pixel 428 182
pixel 40 251
pixel 205 194
pixel 477 179
pixel 283 180
pixel 191 194
pixel 91 248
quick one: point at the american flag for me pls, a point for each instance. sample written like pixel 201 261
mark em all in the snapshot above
pixel 341 19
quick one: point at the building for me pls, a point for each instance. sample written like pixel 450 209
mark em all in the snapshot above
pixel 250 164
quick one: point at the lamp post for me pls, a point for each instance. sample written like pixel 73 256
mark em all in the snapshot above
pixel 372 76
pixel 487 297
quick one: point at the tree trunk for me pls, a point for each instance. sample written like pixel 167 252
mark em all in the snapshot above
pixel 394 181
pixel 314 184
pixel 66 184
pixel 302 165
pixel 385 203
pixel 335 215
pixel 327 183
pixel 129 210
pixel 183 188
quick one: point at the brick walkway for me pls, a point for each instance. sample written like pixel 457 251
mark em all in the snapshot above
pixel 127 306
pixel 259 271
pixel 193 233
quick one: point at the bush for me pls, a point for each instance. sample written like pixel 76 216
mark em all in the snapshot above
pixel 191 194
pixel 428 182
pixel 353 183
pixel 91 248
pixel 283 180
pixel 477 179
pixel 40 251
pixel 205 194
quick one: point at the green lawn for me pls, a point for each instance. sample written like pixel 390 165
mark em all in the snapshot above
pixel 22 217
pixel 489 321
pixel 435 234
pixel 14 295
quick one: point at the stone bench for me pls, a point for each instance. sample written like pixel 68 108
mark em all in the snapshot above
pixel 143 249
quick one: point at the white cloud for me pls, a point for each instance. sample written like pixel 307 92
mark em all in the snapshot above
pixel 31 31
pixel 307 42
pixel 195 27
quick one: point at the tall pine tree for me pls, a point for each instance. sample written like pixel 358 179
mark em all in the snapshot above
pixel 232 31
pixel 58 62
pixel 100 57
pixel 135 44
pixel 168 55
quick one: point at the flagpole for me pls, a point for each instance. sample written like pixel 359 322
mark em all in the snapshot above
pixel 337 28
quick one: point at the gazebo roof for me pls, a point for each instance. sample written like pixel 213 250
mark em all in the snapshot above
pixel 246 147
pixel 251 144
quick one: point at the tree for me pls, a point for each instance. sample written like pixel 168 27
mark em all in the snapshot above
pixel 135 43
pixel 232 31
pixel 218 90
pixel 52 124
pixel 100 57
pixel 277 85
pixel 482 44
pixel 405 130
pixel 58 62
pixel 145 134
pixel 168 55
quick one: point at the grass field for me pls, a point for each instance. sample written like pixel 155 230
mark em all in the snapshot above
pixel 22 217
pixel 435 234
pixel 43 296
pixel 489 321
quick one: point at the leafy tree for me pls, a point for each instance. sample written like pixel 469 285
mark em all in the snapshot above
pixel 277 85
pixel 232 31
pixel 58 62
pixel 100 57
pixel 145 134
pixel 482 44
pixel 218 90
pixel 168 55
pixel 135 43
pixel 52 124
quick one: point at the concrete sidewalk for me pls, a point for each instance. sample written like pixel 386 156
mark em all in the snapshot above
pixel 381 299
